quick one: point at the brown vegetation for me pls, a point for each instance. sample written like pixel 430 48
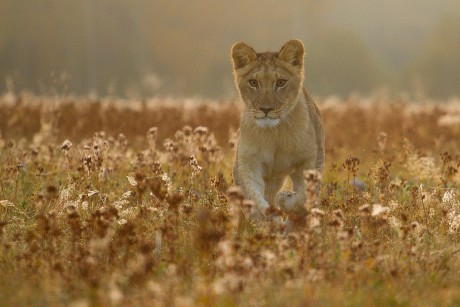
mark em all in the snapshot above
pixel 129 203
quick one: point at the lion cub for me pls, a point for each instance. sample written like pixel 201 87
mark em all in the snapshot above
pixel 281 132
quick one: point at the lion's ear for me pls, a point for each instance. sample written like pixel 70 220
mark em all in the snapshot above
pixel 292 52
pixel 242 55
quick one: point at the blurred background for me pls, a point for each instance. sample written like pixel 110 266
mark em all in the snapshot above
pixel 140 48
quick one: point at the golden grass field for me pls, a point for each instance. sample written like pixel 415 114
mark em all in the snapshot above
pixel 126 203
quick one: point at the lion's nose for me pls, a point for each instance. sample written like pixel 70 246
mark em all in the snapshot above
pixel 266 110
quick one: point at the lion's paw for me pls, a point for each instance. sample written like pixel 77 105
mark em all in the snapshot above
pixel 291 203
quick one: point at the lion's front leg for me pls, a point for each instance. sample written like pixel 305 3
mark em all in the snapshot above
pixel 251 181
pixel 272 187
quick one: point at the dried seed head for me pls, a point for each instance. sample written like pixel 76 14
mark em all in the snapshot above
pixel 93 192
pixel 179 136
pixel 449 197
pixel 200 130
pixel 121 138
pixel 235 192
pixel 169 145
pixel 379 210
pixel 338 214
pixel 152 133
pixel 382 141
pixel 152 136
pixel 132 181
pixel 342 235
pixel 122 222
pixel 70 208
pixel 187 208
pixel 187 130
pixel 366 208
pixel 314 222
pixel 233 139
pixel 196 168
pixel 351 165
pixel 274 211
pixel 66 145
pixel 336 222
pixel 312 176
pixel 317 212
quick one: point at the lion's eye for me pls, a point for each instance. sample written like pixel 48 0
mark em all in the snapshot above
pixel 280 82
pixel 253 83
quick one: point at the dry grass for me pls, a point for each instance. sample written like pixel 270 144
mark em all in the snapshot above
pixel 142 215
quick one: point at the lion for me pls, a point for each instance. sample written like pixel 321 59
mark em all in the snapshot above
pixel 281 128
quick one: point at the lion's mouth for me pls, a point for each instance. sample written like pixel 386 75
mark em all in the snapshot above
pixel 266 122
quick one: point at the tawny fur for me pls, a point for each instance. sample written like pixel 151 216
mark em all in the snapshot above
pixel 284 141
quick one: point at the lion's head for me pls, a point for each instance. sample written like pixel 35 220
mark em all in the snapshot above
pixel 269 83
